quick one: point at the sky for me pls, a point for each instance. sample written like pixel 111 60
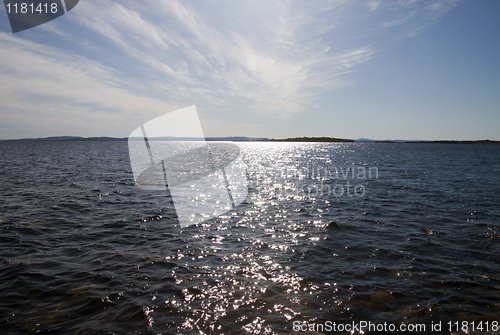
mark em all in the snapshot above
pixel 392 69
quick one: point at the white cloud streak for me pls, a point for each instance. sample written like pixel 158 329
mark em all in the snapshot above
pixel 415 16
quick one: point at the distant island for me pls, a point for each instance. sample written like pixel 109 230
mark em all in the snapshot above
pixel 253 139
pixel 457 142
pixel 445 142
pixel 309 139
pixel 70 138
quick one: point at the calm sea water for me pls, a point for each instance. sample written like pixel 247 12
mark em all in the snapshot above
pixel 395 233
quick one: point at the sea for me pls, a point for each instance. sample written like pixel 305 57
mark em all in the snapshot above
pixel 339 238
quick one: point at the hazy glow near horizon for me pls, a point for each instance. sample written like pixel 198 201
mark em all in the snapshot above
pixel 402 69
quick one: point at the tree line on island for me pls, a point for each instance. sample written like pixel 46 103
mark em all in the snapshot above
pixel 308 139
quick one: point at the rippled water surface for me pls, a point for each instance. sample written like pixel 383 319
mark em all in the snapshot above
pixel 329 232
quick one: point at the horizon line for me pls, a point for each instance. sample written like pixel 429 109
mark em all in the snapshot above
pixel 247 139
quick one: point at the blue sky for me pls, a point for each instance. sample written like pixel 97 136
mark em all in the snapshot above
pixel 402 69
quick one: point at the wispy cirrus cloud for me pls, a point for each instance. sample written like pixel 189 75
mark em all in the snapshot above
pixel 414 16
pixel 373 4
pixel 262 56
pixel 53 90
pixel 139 60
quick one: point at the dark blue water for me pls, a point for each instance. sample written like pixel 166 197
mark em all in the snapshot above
pixel 84 251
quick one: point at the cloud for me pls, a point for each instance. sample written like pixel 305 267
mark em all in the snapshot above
pixel 42 87
pixel 263 58
pixel 414 16
pixel 372 4
pixel 400 21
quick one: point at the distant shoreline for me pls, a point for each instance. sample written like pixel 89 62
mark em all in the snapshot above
pixel 307 139
pixel 447 142
pixel 250 139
